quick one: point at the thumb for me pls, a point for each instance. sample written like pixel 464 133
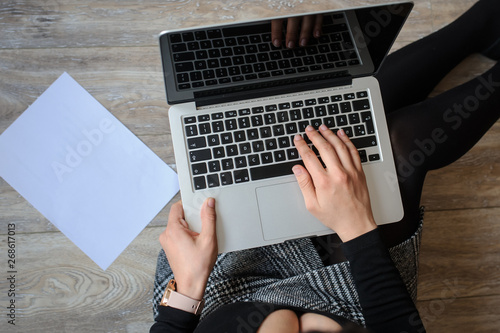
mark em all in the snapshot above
pixel 208 218
pixel 305 183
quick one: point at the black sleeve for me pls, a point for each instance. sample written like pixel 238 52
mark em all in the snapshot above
pixel 174 321
pixel 386 304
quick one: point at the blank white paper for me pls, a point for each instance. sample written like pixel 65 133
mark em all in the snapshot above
pixel 85 171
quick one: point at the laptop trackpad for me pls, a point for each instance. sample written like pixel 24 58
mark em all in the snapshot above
pixel 283 213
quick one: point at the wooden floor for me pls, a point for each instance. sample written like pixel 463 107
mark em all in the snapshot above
pixel 110 48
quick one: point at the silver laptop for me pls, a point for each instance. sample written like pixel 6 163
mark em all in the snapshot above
pixel 237 100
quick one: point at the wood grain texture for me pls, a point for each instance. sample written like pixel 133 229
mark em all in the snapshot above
pixel 65 24
pixel 471 315
pixel 61 290
pixel 465 257
pixel 111 49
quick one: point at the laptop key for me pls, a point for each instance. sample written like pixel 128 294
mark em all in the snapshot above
pixel 175 38
pixel 214 166
pixel 213 140
pixel 292 153
pixel 273 170
pixel 184 67
pixel 195 143
pixel 232 150
pixel 368 141
pixel 179 47
pixel 199 168
pixel 239 136
pixel 200 155
pixel 258 146
pixel 204 128
pixel 271 144
pixel 199 183
pixel 266 158
pixel 226 178
pixel 252 134
pixel 227 164
pixel 240 162
pixel 213 180
pixel 218 152
pixel 214 33
pixel 279 156
pixel 184 56
pixel 191 130
pixel 241 176
pixel 362 155
pixel 253 160
pixel 226 138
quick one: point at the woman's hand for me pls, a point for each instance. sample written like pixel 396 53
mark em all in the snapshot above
pixel 191 255
pixel 336 195
pixel 299 30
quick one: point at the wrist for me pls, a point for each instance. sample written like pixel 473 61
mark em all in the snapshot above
pixel 194 290
pixel 355 232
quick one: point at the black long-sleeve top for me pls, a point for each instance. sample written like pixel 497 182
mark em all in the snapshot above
pixel 386 305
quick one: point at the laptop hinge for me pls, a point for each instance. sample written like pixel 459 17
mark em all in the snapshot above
pixel 278 87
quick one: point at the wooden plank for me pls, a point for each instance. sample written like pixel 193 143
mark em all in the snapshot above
pixel 126 81
pixel 59 289
pixel 460 254
pixel 57 24
pixel 472 315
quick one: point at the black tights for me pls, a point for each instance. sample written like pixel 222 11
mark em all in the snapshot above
pixel 430 133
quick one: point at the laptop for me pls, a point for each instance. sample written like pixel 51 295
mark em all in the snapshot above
pixel 238 98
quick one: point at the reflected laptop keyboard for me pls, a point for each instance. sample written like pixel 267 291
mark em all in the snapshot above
pixel 242 145
pixel 210 57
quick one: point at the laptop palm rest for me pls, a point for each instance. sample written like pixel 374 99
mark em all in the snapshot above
pixel 283 213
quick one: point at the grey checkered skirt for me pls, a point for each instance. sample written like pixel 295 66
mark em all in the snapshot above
pixel 290 274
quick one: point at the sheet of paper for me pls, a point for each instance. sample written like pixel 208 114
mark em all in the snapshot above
pixel 84 170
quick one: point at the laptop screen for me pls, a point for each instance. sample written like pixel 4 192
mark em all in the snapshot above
pixel 227 62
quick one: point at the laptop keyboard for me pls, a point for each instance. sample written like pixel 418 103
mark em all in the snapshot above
pixel 205 58
pixel 241 145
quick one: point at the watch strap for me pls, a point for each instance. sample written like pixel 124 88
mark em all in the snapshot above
pixel 178 301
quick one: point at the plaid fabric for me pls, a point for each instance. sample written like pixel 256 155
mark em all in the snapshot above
pixel 290 274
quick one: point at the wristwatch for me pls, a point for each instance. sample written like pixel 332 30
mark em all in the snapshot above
pixel 178 301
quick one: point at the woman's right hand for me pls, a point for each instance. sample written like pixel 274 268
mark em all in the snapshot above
pixel 337 194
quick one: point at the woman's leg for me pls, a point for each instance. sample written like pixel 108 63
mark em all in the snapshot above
pixel 436 132
pixel 410 74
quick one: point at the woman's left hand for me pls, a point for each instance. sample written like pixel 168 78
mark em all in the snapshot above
pixel 191 255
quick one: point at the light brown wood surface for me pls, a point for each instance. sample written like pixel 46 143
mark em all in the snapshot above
pixel 111 49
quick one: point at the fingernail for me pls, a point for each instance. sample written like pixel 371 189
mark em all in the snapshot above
pixel 340 132
pixel 297 171
pixel 309 128
pixel 317 33
pixel 211 202
pixel 323 127
pixel 276 43
pixel 290 45
pixel 303 42
pixel 298 137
